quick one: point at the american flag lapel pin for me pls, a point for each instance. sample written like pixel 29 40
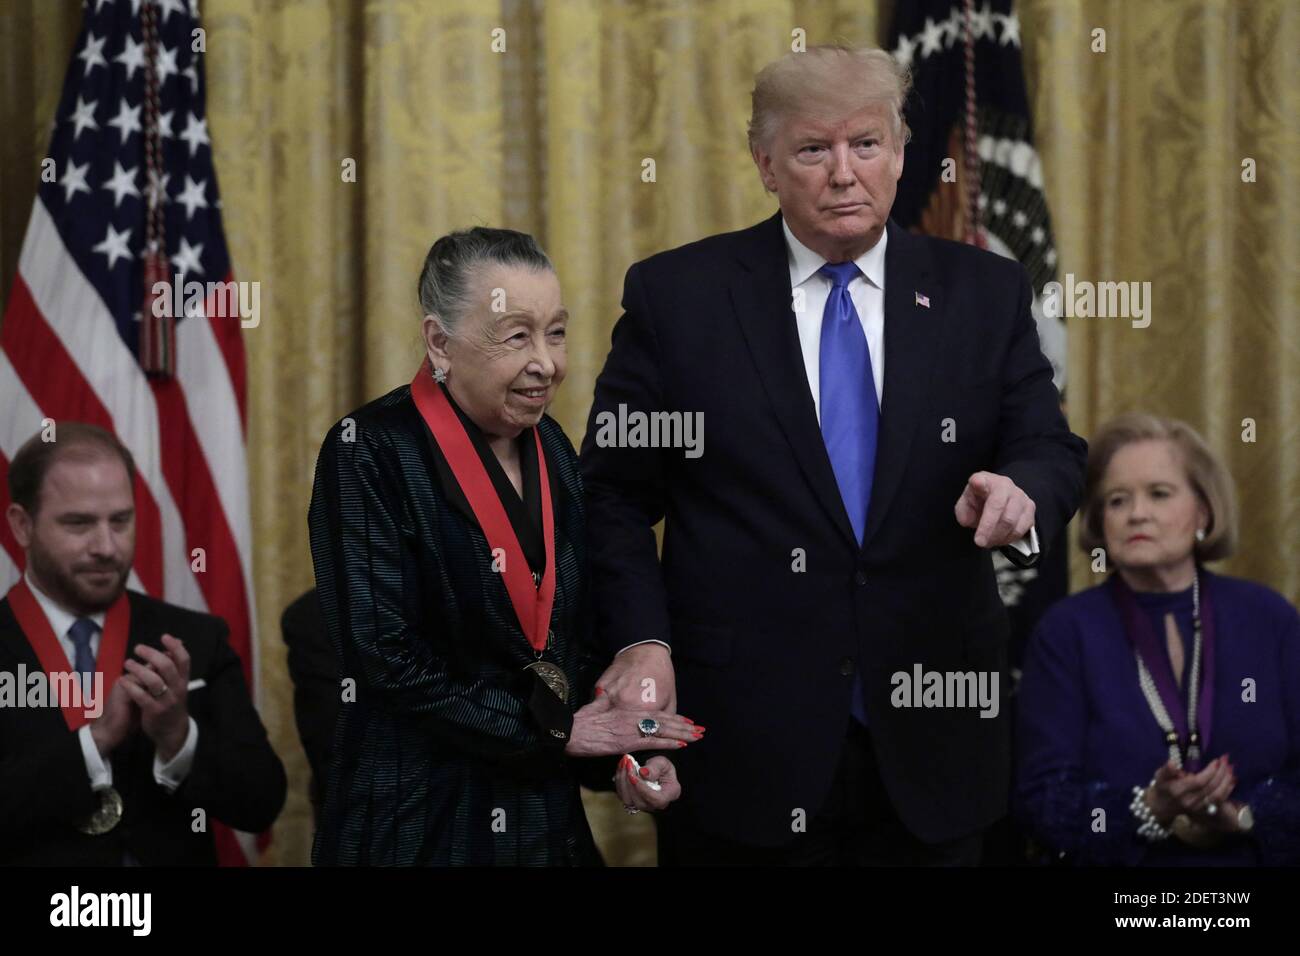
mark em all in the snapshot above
pixel 922 300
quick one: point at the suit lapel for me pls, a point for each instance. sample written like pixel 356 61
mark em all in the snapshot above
pixel 12 637
pixel 761 297
pixel 913 334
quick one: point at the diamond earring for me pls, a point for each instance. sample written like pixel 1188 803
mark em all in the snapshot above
pixel 1200 534
pixel 439 375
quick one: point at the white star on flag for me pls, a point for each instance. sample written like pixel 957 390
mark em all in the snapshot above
pixel 74 179
pixel 131 57
pixel 931 38
pixel 196 133
pixel 906 47
pixel 192 197
pixel 187 260
pixel 168 7
pixel 981 22
pixel 166 65
pixel 158 190
pixel 127 121
pixel 93 54
pixel 122 184
pixel 1010 30
pixel 83 115
pixel 114 245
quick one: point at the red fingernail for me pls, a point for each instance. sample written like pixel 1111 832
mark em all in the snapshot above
pixel 599 691
pixel 698 736
pixel 681 743
pixel 645 771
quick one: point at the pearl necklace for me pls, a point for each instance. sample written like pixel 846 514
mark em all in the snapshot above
pixel 1193 691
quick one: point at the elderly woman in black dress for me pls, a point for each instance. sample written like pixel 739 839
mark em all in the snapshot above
pixel 447 532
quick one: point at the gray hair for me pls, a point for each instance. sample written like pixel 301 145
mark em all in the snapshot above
pixel 449 267
pixel 832 80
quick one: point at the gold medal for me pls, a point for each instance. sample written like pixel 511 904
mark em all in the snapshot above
pixel 552 677
pixel 106 816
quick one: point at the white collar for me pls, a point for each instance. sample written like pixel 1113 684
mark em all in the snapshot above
pixel 804 263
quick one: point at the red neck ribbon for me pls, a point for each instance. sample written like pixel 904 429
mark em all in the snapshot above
pixel 532 604
pixel 112 644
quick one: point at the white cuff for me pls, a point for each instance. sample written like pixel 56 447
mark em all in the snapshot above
pixel 1028 545
pixel 172 774
pixel 98 769
pixel 651 641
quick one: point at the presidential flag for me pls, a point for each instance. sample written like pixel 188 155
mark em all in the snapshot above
pixel 973 174
pixel 127 199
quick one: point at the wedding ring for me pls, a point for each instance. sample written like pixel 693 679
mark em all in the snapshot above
pixel 159 694
pixel 648 726
pixel 631 809
pixel 1212 809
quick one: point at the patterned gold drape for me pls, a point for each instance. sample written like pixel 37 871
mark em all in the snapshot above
pixel 1142 148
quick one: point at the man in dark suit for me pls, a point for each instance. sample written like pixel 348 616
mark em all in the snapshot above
pixel 315 675
pixel 879 416
pixel 169 742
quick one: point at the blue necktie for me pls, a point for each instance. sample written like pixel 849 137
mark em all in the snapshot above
pixel 850 415
pixel 81 633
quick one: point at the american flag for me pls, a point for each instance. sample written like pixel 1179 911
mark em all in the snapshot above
pixel 130 144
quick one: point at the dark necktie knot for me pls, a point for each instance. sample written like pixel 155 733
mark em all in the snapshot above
pixel 81 633
pixel 840 273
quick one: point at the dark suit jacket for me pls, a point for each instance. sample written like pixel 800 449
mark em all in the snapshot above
pixel 444 738
pixel 315 675
pixel 765 654
pixel 236 776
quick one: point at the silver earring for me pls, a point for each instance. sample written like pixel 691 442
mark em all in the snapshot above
pixel 439 374
pixel 1200 534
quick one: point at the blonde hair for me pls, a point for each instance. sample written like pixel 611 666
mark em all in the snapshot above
pixel 831 80
pixel 1207 476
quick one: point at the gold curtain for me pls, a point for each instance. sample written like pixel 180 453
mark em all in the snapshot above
pixel 1142 148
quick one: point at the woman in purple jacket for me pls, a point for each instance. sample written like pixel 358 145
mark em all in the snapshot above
pixel 1159 714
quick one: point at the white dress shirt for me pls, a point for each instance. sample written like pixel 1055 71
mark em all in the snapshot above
pixel 867 291
pixel 168 775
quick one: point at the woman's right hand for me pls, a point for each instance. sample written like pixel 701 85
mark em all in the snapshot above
pixel 600 730
pixel 1176 791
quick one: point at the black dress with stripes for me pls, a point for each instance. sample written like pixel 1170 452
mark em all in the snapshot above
pixel 443 750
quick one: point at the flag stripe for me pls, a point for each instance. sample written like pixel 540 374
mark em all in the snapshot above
pixel 75 313
pixel 204 521
pixel 228 339
pixel 61 393
pixel 212 412
pixel 21 420
pixel 11 556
